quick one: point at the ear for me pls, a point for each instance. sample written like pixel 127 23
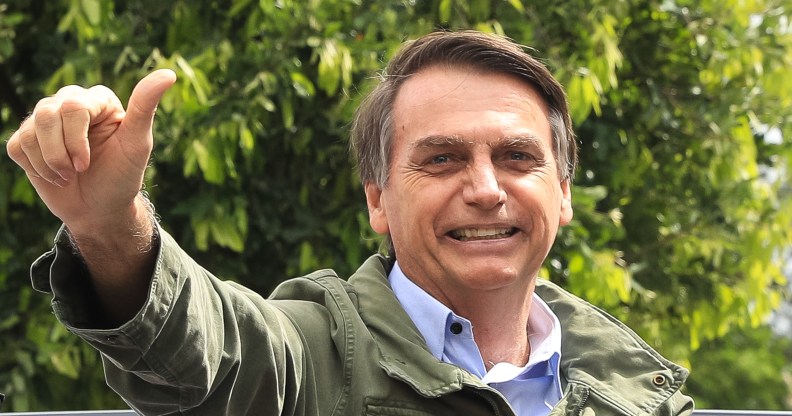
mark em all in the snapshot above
pixel 566 203
pixel 378 218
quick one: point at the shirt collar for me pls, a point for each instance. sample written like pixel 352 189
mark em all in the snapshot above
pixel 427 313
pixel 431 318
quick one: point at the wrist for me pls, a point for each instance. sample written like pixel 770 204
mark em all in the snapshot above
pixel 131 229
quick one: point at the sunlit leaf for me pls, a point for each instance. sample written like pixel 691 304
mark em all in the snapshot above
pixel 444 10
pixel 92 10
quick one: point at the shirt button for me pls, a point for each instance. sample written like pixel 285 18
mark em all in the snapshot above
pixel 456 328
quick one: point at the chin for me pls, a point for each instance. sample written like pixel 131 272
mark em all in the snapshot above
pixel 491 278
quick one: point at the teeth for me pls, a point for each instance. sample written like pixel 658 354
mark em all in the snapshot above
pixel 481 233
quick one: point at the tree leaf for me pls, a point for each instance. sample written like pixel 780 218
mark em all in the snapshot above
pixel 92 9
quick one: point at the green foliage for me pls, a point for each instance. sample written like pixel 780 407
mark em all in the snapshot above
pixel 682 203
pixel 753 361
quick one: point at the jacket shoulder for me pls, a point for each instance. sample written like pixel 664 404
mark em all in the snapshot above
pixel 614 364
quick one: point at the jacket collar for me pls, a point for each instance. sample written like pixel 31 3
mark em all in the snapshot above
pixel 404 354
pixel 597 351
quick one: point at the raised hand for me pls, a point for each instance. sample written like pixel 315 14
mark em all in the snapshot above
pixel 86 158
pixel 85 154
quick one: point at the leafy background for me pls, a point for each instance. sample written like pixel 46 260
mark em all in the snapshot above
pixel 682 203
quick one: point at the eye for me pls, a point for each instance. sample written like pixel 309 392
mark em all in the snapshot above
pixel 442 163
pixel 520 160
pixel 440 159
pixel 519 156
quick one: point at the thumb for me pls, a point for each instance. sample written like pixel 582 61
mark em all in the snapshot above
pixel 144 100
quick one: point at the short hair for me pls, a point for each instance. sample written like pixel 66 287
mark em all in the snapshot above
pixel 372 128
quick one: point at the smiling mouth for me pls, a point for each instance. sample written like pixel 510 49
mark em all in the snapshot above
pixel 475 234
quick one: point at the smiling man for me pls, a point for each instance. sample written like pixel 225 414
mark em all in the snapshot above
pixel 466 153
pixel 473 199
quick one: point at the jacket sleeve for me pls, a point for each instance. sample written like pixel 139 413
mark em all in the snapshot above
pixel 679 405
pixel 183 351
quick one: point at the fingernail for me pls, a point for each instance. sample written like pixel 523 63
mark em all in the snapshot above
pixel 66 175
pixel 79 166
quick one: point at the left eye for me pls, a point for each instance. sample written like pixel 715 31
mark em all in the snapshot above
pixel 518 156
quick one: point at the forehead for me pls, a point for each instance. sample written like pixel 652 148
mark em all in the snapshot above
pixel 469 105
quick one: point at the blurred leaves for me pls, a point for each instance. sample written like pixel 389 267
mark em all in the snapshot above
pixel 683 111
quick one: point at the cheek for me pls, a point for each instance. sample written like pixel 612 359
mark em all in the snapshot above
pixel 401 212
pixel 412 218
pixel 540 199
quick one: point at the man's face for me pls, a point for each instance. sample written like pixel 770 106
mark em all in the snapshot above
pixel 473 201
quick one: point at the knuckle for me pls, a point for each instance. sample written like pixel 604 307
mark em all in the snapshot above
pixel 28 139
pixel 105 95
pixel 42 115
pixel 47 104
pixel 70 90
pixel 73 107
pixel 14 149
pixel 46 114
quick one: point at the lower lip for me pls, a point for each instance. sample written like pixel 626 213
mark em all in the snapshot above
pixel 512 232
pixel 470 239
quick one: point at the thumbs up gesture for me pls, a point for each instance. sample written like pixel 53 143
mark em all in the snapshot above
pixel 86 155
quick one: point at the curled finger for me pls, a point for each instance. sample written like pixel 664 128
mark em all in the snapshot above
pixel 76 121
pixel 24 150
pixel 15 152
pixel 48 141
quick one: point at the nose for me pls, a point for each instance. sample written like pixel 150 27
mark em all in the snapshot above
pixel 482 187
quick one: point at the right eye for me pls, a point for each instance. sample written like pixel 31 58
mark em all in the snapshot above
pixel 440 159
pixel 442 164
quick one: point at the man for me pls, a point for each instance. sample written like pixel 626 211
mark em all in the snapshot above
pixel 466 153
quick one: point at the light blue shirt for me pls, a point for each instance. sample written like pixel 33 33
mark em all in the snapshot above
pixel 531 390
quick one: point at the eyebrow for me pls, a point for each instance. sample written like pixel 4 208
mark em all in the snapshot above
pixel 440 141
pixel 525 140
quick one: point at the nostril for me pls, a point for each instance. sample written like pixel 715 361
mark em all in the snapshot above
pixel 502 197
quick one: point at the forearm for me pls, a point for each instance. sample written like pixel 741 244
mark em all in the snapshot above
pixel 120 257
pixel 182 350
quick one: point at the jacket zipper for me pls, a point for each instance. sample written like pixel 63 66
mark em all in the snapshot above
pixel 489 400
pixel 582 402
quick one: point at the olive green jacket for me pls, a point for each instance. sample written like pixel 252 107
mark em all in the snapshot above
pixel 324 346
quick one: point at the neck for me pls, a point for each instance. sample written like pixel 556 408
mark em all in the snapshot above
pixel 500 325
